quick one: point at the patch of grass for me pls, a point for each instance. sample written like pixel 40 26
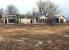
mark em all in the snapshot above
pixel 66 32
pixel 23 31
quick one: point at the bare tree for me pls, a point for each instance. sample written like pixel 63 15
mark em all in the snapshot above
pixel 1 11
pixel 47 8
pixel 28 15
pixel 35 14
pixel 11 9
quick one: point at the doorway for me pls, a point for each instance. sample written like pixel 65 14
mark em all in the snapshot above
pixel 5 21
pixel 62 21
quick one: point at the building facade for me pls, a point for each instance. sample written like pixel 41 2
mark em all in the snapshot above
pixel 41 20
pixel 9 19
pixel 60 19
pixel 12 19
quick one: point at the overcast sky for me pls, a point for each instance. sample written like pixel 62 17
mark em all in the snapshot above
pixel 27 5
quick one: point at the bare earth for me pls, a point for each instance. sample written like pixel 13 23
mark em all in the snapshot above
pixel 33 29
pixel 28 36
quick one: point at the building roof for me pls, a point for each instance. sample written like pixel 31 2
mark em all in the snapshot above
pixel 61 17
pixel 43 17
pixel 6 15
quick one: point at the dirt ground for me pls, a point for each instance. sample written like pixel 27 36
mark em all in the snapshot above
pixel 26 37
pixel 33 29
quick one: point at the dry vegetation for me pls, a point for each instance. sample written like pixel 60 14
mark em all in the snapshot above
pixel 28 37
pixel 33 29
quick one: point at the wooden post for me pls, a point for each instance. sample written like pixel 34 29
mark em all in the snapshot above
pixel 38 21
pixel 4 20
pixel 7 21
pixel 59 21
pixel 42 21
